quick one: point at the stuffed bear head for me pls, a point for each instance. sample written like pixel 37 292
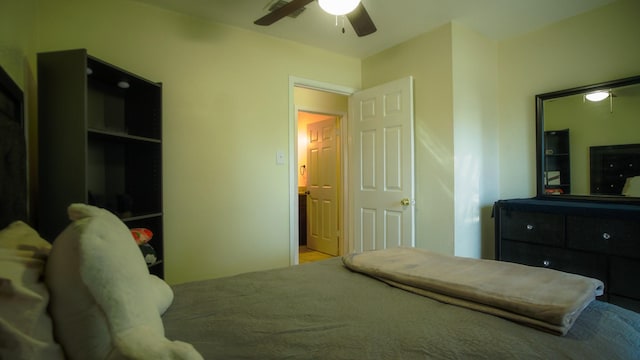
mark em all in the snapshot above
pixel 104 302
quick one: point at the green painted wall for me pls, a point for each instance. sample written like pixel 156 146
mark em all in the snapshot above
pixel 594 47
pixel 225 115
pixel 428 58
pixel 226 112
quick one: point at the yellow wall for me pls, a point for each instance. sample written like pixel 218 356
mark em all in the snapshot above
pixel 17 37
pixel 226 113
pixel 428 59
pixel 320 101
pixel 590 48
pixel 475 124
pixel 475 115
pixel 225 116
pixel 18 31
pixel 454 72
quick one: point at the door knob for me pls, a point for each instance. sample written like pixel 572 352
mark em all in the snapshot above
pixel 405 202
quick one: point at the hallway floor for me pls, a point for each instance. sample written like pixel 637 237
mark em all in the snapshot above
pixel 306 255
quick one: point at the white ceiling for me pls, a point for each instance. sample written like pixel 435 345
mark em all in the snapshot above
pixel 396 20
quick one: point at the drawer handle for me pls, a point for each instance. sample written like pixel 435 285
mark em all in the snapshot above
pixel 529 227
pixel 606 236
pixel 546 263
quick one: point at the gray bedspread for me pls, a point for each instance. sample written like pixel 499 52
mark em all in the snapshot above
pixel 324 311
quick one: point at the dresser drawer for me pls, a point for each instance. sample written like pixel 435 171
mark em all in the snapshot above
pixel 613 236
pixel 601 241
pixel 541 228
pixel 586 264
pixel 625 275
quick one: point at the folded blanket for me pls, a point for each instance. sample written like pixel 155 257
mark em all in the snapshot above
pixel 542 298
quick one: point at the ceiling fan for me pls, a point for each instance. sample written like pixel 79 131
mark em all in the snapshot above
pixel 358 17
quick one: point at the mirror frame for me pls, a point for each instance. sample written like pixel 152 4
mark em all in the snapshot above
pixel 540 153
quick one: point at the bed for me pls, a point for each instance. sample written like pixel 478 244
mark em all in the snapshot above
pixel 322 310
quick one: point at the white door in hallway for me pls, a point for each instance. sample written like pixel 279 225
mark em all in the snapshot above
pixel 382 166
pixel 322 186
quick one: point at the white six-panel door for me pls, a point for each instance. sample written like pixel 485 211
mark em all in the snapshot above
pixel 322 186
pixel 382 166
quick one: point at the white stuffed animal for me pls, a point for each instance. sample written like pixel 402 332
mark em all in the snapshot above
pixel 104 302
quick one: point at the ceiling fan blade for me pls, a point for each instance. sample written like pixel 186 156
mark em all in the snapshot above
pixel 279 13
pixel 361 21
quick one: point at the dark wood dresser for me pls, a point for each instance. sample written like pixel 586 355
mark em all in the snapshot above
pixel 592 239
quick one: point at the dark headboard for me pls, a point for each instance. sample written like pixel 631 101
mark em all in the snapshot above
pixel 13 153
pixel 611 166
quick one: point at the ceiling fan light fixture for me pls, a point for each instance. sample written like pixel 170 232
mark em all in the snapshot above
pixel 597 95
pixel 338 7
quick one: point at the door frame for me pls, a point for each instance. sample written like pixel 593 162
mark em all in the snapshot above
pixel 345 206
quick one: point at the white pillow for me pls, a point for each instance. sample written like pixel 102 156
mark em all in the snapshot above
pixel 632 187
pixel 104 302
pixel 25 326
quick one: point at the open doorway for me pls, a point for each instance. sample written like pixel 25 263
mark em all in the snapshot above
pixel 372 217
pixel 319 186
pixel 312 103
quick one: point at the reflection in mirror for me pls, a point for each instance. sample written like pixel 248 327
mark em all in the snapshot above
pixel 590 148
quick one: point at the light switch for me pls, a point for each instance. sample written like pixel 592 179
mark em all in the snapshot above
pixel 280 157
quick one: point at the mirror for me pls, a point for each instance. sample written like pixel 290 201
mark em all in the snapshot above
pixel 590 149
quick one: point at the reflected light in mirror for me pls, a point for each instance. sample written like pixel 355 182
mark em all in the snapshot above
pixel 597 95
